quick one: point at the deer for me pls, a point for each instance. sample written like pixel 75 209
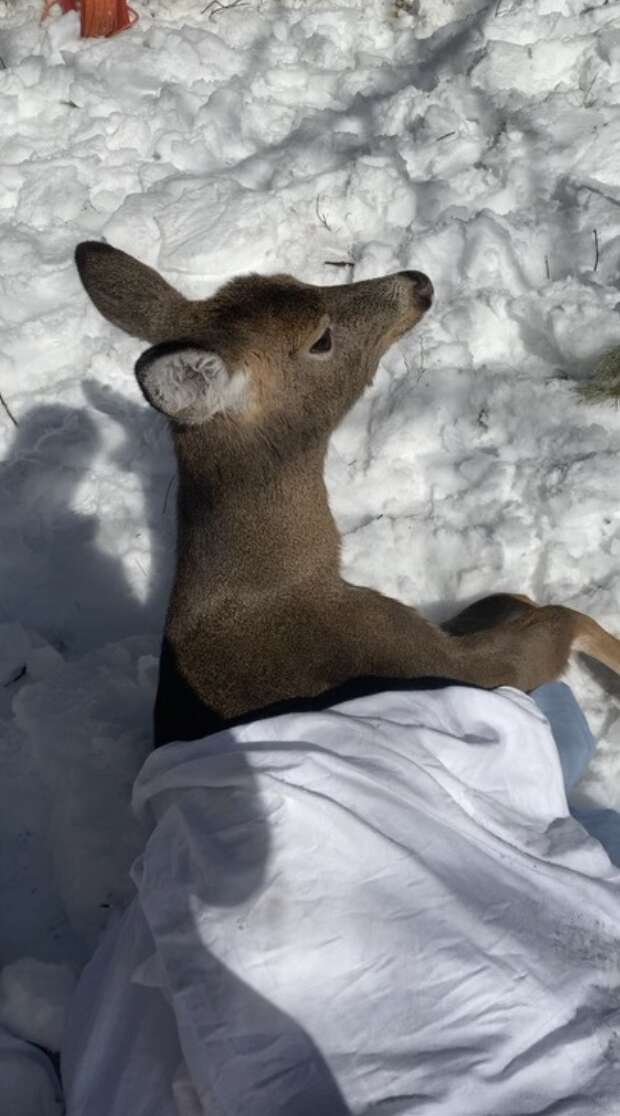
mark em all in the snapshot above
pixel 253 381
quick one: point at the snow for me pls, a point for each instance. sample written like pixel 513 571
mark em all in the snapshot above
pixel 33 997
pixel 476 141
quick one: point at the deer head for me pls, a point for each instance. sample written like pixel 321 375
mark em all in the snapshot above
pixel 265 354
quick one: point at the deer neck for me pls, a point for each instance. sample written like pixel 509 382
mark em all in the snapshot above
pixel 253 523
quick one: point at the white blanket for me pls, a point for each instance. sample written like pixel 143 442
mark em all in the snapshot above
pixel 384 909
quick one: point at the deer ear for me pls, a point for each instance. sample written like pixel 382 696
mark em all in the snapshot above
pixel 190 384
pixel 129 294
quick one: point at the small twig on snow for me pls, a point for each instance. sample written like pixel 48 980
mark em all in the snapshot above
pixel 16 677
pixel 8 410
pixel 595 234
pixel 214 7
pixel 595 7
pixel 422 368
pixel 170 484
pixel 342 263
pixel 446 135
pixel 547 268
pixel 321 216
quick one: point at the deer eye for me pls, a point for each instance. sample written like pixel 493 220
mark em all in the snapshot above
pixel 324 343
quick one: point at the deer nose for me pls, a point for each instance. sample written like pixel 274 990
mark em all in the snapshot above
pixel 422 284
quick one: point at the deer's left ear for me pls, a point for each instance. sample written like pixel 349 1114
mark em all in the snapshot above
pixel 129 294
pixel 190 384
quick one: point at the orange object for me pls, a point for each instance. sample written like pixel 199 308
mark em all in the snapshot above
pixel 105 17
pixel 97 17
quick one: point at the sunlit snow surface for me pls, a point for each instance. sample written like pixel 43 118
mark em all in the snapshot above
pixel 477 141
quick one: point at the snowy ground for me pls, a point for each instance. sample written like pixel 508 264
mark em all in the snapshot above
pixel 477 141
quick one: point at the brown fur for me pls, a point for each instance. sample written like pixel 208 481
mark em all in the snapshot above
pixel 259 612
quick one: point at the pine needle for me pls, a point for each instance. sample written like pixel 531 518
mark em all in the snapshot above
pixel 5 406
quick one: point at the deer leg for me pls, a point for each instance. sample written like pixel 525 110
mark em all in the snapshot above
pixel 535 646
pixel 487 613
pixel 501 641
pixel 595 641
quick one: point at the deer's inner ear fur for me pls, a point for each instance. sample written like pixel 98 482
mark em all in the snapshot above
pixel 190 384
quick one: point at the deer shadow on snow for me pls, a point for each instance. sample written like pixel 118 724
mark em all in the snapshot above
pixel 57 578
pixel 60 582
pixel 82 738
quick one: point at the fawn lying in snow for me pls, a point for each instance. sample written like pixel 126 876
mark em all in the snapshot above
pixel 254 381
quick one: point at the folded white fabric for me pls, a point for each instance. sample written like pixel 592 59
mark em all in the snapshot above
pixel 382 908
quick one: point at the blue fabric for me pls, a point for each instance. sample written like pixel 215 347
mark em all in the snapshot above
pixel 571 732
pixel 576 746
